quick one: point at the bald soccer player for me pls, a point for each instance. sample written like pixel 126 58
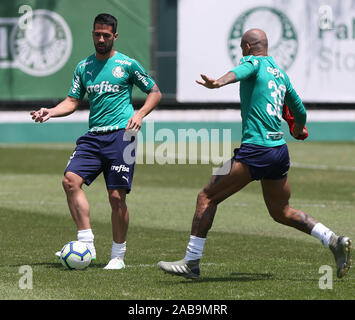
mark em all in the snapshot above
pixel 263 155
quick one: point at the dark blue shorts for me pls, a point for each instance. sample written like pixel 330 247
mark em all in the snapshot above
pixel 264 162
pixel 112 153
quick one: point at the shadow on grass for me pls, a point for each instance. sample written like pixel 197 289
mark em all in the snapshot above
pixel 234 277
pixel 247 277
pixel 240 277
pixel 251 276
pixel 50 265
pixel 56 265
pixel 53 265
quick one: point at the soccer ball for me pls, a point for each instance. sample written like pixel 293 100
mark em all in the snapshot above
pixel 75 255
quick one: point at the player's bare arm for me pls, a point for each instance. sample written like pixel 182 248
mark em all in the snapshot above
pixel 211 83
pixel 66 107
pixel 152 100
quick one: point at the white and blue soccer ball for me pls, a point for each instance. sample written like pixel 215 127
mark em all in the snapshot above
pixel 75 255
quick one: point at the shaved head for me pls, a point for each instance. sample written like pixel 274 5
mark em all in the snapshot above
pixel 254 42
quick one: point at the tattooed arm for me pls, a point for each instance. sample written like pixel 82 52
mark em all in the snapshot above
pixel 210 83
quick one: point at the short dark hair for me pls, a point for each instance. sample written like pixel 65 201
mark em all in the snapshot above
pixel 105 18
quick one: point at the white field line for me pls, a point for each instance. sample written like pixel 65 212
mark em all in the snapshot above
pixel 193 160
pixel 322 167
pixel 53 146
pixel 154 265
pixel 337 204
pixel 202 115
pixel 24 117
pixel 206 160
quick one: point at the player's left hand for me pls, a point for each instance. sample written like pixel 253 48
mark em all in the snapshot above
pixel 298 132
pixel 303 134
pixel 135 123
pixel 208 82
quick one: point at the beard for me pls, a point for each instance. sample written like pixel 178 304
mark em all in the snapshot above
pixel 102 48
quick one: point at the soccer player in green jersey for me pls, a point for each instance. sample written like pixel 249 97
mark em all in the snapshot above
pixel 107 77
pixel 263 155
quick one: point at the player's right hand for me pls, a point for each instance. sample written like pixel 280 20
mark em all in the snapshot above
pixel 41 115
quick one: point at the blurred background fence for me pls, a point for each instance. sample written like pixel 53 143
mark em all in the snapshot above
pixel 41 41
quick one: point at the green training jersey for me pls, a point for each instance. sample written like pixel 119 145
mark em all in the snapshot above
pixel 264 87
pixel 108 84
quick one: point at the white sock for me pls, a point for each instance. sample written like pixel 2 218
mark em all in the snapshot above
pixel 87 237
pixel 195 248
pixel 322 233
pixel 118 250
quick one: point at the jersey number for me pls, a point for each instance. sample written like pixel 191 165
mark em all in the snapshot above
pixel 278 93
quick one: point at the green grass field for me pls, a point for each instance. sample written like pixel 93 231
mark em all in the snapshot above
pixel 247 255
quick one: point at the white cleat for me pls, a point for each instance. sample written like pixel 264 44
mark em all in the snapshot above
pixel 115 264
pixel 188 269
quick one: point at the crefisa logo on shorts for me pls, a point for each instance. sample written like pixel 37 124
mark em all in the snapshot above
pixel 39 43
pixel 282 36
pixel 120 168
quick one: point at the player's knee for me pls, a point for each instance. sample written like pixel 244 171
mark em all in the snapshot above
pixel 204 198
pixel 117 199
pixel 69 184
pixel 281 215
pixel 278 218
pixel 66 184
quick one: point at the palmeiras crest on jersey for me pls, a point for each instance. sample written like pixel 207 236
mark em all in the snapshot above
pixel 44 45
pixel 118 72
pixel 282 36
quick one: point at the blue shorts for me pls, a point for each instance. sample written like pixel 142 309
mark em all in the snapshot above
pixel 264 162
pixel 112 153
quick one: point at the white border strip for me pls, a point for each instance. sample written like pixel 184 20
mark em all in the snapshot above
pixel 24 117
pixel 201 115
pixel 321 167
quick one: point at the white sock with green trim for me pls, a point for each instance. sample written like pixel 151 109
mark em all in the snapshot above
pixel 118 250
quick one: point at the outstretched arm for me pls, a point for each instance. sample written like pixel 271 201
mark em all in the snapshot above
pixel 210 83
pixel 241 72
pixel 152 100
pixel 66 107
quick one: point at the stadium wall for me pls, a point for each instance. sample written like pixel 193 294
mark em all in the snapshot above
pixel 17 127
